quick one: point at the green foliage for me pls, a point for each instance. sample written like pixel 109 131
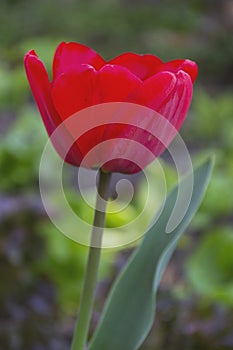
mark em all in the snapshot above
pixel 210 123
pixel 161 27
pixel 210 127
pixel 64 263
pixel 218 202
pixel 20 150
pixel 209 269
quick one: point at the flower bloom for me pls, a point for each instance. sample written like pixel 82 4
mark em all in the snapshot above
pixel 82 78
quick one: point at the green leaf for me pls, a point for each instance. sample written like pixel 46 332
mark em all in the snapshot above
pixel 129 311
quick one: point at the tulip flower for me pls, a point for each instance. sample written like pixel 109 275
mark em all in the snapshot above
pixel 132 106
pixel 82 78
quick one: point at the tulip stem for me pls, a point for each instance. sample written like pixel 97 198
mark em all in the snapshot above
pixel 87 298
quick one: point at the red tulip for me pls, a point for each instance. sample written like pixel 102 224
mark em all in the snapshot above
pixel 82 78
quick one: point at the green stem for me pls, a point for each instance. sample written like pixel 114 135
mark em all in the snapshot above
pixel 91 274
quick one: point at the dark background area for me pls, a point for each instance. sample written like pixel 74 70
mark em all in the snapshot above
pixel 40 269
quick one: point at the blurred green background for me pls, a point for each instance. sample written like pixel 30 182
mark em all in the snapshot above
pixel 41 270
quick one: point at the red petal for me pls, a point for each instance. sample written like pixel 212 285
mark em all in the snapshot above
pixel 176 106
pixel 127 156
pixel 123 166
pixel 41 89
pixel 168 94
pixel 187 66
pixel 40 86
pixel 115 83
pixel 153 91
pixel 74 90
pixel 70 55
pixel 143 66
pixel 83 87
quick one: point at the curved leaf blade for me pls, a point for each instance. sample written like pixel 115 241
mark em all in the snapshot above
pixel 129 310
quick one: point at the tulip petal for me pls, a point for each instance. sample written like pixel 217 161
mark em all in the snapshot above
pixel 154 90
pixel 176 106
pixel 168 94
pixel 121 166
pixel 41 89
pixel 83 87
pixel 70 55
pixel 115 83
pixel 74 90
pixel 174 66
pixel 151 93
pixel 143 66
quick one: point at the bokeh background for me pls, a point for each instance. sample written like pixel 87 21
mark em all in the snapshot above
pixel 40 269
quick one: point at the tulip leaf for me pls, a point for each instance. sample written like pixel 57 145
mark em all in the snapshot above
pixel 129 310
